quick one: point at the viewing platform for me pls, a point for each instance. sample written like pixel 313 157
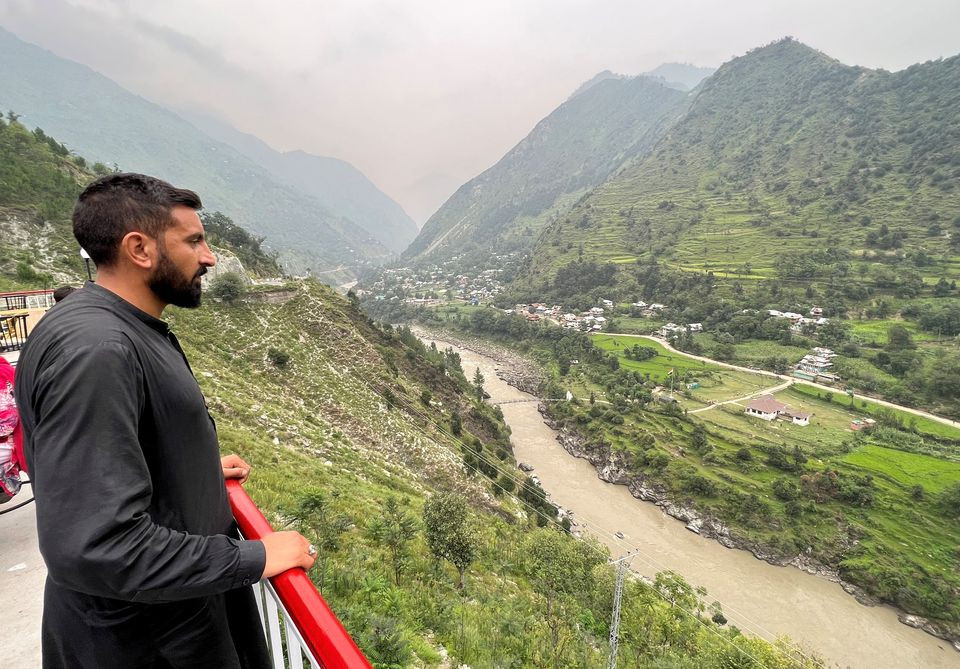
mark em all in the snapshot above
pixel 300 628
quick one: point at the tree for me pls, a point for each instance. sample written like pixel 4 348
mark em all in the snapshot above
pixel 899 339
pixel 456 423
pixel 314 516
pixel 560 566
pixel 950 501
pixel 698 439
pixel 478 383
pixel 394 530
pixel 229 287
pixel 450 532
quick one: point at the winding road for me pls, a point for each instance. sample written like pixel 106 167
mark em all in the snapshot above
pixel 784 377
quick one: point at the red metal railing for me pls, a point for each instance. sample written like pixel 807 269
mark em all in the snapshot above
pixel 317 626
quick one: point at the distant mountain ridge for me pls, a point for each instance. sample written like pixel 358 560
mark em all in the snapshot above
pixel 336 183
pixel 102 121
pixel 576 147
pixel 783 156
pixel 682 76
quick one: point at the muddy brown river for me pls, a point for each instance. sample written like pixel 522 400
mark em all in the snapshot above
pixel 757 597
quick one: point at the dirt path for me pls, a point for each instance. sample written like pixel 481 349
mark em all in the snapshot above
pixel 783 377
pixel 764 391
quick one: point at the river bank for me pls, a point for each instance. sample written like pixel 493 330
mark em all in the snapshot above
pixel 785 601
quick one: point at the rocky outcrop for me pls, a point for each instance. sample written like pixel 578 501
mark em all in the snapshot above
pixel 226 263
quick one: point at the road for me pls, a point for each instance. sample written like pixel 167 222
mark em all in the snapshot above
pixel 764 391
pixel 783 377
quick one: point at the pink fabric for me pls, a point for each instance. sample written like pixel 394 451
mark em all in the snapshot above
pixel 10 427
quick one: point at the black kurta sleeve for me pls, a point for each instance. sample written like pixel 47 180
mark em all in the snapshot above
pixel 93 491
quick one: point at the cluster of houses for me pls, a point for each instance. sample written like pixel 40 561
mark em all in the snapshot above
pixel 798 321
pixel 816 365
pixel 428 285
pixel 586 321
pixel 648 310
pixel 767 407
pixel 536 311
pixel 672 329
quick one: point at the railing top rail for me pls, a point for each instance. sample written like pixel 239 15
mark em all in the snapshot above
pixel 319 627
pixel 25 292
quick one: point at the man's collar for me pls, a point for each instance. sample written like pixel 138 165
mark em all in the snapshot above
pixel 157 324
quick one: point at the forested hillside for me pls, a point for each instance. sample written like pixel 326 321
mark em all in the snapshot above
pixel 110 126
pixel 573 149
pixel 789 165
pixel 435 549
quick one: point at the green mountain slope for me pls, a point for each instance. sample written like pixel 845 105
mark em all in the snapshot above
pixel 573 149
pixel 103 122
pixel 788 164
pixel 336 183
pixel 342 421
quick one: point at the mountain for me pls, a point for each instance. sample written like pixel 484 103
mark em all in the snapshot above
pixel 682 76
pixel 791 165
pixel 351 429
pixel 103 122
pixel 576 147
pixel 340 186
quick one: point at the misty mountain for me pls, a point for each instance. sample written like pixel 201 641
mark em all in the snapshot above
pixel 682 76
pixel 788 164
pixel 576 147
pixel 340 186
pixel 103 122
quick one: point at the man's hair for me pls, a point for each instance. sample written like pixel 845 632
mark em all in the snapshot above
pixel 62 292
pixel 119 203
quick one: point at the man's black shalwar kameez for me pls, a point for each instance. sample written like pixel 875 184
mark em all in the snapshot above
pixel 144 569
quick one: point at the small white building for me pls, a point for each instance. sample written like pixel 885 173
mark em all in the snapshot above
pixel 765 407
pixel 695 327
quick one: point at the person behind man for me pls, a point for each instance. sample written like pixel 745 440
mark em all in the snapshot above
pixel 62 292
pixel 144 565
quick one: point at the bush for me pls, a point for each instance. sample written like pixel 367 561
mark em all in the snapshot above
pixel 278 358
pixel 229 287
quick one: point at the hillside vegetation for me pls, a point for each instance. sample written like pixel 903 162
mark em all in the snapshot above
pixel 103 122
pixel 790 165
pixel 879 508
pixel 435 550
pixel 572 150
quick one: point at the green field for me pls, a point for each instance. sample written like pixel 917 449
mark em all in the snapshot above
pixel 920 423
pixel 907 469
pixel 876 330
pixel 657 367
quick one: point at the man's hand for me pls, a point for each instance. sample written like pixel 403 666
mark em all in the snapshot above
pixel 286 550
pixel 235 468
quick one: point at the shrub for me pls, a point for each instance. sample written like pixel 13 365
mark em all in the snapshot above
pixel 278 358
pixel 229 287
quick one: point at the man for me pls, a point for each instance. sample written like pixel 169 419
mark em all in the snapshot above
pixel 144 567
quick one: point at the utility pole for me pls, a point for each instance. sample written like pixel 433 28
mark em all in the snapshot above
pixel 615 622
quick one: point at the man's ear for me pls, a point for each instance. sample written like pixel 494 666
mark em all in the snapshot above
pixel 138 249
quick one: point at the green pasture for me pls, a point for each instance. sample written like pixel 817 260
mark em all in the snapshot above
pixel 657 367
pixel 907 469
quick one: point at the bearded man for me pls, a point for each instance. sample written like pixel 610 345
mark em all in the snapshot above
pixel 145 567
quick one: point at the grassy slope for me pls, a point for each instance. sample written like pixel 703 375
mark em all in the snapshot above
pixel 905 549
pixel 576 147
pixel 335 433
pixel 783 150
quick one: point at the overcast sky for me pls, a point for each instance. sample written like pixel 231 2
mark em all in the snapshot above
pixel 422 95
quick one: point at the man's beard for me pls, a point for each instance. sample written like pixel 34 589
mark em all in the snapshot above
pixel 169 285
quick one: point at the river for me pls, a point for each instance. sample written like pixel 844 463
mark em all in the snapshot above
pixel 757 597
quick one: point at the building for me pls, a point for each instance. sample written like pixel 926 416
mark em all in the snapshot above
pixel 765 407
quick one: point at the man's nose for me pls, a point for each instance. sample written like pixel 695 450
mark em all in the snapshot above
pixel 208 259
